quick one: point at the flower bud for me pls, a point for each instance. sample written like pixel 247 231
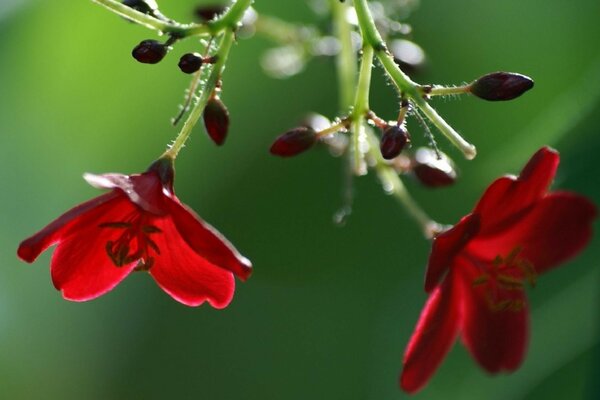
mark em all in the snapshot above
pixel 190 63
pixel 143 6
pixel 393 141
pixel 208 12
pixel 149 51
pixel 294 142
pixel 432 171
pixel 500 86
pixel 216 120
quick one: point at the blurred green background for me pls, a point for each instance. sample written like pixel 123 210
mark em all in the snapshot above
pixel 328 310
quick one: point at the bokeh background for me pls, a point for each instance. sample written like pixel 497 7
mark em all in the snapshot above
pixel 329 310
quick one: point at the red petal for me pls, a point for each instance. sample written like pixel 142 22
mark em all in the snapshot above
pixel 554 230
pixel 508 196
pixel 80 267
pixel 206 241
pixel 32 247
pixel 434 335
pixel 496 338
pixel 187 276
pixel 446 246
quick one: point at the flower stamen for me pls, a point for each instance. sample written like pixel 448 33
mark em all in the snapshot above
pixel 136 234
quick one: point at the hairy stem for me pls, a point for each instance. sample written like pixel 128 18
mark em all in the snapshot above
pixel 346 59
pixel 229 20
pixel 393 185
pixel 361 106
pixel 402 82
pixel 207 90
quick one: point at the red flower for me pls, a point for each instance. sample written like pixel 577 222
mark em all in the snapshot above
pixel 478 270
pixel 140 225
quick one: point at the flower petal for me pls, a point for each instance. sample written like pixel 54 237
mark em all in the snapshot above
pixel 446 246
pixel 495 324
pixel 206 241
pixel 80 266
pixel 433 336
pixel 508 196
pixel 556 229
pixel 32 247
pixel 185 275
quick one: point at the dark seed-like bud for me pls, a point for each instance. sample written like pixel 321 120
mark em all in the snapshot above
pixel 216 120
pixel 500 86
pixel 431 171
pixel 294 142
pixel 209 12
pixel 149 52
pixel 143 6
pixel 393 141
pixel 190 63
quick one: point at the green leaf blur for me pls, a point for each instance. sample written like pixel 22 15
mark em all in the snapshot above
pixel 328 311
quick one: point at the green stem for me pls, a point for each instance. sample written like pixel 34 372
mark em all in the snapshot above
pixel 332 129
pixel 207 90
pixel 346 59
pixel 361 107
pixel 346 73
pixel 445 91
pixel 467 148
pixel 229 20
pixel 149 21
pixel 393 185
pixel 404 84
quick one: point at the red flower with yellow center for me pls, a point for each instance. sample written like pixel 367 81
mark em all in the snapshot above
pixel 478 270
pixel 140 225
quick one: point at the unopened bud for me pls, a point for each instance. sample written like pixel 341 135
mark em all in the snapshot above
pixel 393 141
pixel 432 171
pixel 190 63
pixel 294 142
pixel 216 120
pixel 209 12
pixel 149 52
pixel 143 6
pixel 500 86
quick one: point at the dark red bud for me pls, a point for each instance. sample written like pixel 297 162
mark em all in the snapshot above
pixel 190 63
pixel 209 12
pixel 216 120
pixel 393 141
pixel 294 142
pixel 431 171
pixel 149 52
pixel 143 6
pixel 499 86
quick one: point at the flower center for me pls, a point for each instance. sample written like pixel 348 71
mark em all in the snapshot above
pixel 504 281
pixel 133 243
